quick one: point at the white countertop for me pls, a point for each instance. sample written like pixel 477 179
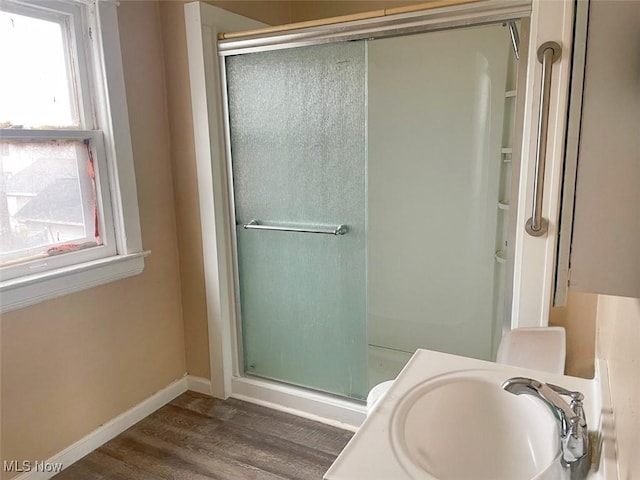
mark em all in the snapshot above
pixel 369 455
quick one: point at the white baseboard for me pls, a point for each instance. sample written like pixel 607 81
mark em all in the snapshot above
pixel 334 411
pixel 199 384
pixel 109 430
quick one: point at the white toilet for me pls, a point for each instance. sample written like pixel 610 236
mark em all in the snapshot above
pixel 537 348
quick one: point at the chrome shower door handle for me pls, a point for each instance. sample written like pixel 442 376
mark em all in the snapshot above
pixel 548 53
pixel 255 225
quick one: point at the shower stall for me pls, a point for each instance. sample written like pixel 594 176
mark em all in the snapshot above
pixel 366 184
pixel 371 201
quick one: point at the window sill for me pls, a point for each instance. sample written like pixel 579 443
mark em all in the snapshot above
pixel 22 292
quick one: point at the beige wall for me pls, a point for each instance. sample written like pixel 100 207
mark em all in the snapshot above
pixel 618 342
pixel 578 318
pixel 73 363
pixel 185 187
pixel 271 12
pixel 303 10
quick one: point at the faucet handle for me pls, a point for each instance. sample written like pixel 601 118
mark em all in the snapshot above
pixel 576 426
pixel 576 439
pixel 576 399
pixel 575 396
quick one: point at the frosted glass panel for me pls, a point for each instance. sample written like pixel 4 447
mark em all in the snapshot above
pixel 298 129
pixel 436 107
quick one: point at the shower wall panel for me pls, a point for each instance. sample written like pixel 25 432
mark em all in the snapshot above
pixel 436 106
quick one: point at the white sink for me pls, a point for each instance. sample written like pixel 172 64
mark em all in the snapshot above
pixel 447 418
pixel 465 426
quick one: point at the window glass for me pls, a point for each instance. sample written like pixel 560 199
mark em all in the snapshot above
pixel 37 86
pixel 47 199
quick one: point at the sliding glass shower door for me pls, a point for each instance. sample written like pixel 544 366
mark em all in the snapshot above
pixel 298 144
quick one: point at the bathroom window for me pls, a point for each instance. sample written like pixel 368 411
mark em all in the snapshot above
pixel 68 209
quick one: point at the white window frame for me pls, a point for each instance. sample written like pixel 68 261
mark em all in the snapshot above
pixel 95 33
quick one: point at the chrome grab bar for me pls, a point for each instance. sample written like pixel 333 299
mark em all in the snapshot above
pixel 339 230
pixel 548 53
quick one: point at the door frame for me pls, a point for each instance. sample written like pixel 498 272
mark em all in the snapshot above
pixel 535 257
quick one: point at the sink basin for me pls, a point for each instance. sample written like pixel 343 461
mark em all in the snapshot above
pixel 464 426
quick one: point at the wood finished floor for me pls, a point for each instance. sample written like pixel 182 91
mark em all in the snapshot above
pixel 196 437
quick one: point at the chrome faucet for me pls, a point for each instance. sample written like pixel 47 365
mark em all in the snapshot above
pixel 574 435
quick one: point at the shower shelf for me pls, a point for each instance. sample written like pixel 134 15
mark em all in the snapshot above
pixel 500 257
pixel 503 205
pixel 510 94
pixel 506 153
